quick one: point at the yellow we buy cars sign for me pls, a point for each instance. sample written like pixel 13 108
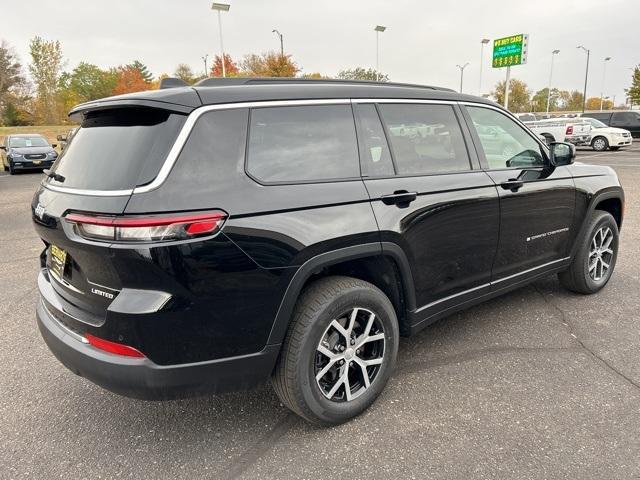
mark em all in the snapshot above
pixel 510 51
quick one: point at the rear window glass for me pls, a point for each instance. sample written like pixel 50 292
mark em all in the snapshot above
pixel 118 149
pixel 307 143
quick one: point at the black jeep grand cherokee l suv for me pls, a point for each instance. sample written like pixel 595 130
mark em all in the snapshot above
pixel 208 238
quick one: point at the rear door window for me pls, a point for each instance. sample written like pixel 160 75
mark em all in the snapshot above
pixel 118 149
pixel 374 151
pixel 425 139
pixel 302 144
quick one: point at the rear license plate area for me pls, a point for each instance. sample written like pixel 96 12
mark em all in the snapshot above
pixel 57 261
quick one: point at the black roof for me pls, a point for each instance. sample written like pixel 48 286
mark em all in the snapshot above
pixel 231 90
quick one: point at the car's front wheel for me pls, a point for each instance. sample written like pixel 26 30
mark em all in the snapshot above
pixel 600 144
pixel 339 351
pixel 595 259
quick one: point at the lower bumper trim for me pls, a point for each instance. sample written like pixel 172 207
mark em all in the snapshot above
pixel 144 379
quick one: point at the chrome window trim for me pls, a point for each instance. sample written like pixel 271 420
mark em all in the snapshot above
pixel 193 117
pixel 94 193
pixel 402 100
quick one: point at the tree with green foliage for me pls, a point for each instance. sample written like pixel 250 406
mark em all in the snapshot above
pixel 146 75
pixel 519 95
pixel 359 73
pixel 88 82
pixel 539 100
pixel 184 72
pixel 46 68
pixel 571 101
pixel 10 69
pixel 12 82
pixel 633 92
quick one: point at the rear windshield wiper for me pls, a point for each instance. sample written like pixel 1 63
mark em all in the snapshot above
pixel 56 176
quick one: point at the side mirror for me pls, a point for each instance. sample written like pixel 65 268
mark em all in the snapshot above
pixel 54 145
pixel 60 138
pixel 562 153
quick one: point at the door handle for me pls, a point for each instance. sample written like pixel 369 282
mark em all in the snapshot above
pixel 512 184
pixel 402 198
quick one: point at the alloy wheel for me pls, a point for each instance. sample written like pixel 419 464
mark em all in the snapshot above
pixel 349 355
pixel 600 254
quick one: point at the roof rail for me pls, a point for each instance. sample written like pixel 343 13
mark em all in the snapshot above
pixel 224 82
pixel 172 82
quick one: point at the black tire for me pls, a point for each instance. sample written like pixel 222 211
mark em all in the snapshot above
pixel 11 170
pixel 599 144
pixel 294 378
pixel 578 277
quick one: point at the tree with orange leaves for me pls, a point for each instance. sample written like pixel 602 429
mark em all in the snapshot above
pixel 129 80
pixel 231 68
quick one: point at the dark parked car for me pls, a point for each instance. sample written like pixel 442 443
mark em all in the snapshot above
pixel 627 120
pixel 208 239
pixel 27 152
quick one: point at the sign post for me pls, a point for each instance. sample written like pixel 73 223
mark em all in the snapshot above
pixel 508 52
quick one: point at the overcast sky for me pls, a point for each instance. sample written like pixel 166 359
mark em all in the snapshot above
pixel 423 43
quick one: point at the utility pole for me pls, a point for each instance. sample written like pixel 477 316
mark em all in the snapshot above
pixel 553 54
pixel 462 67
pixel 206 71
pixel 604 73
pixel 586 76
pixel 483 42
pixel 281 41
pixel 221 7
pixel 378 29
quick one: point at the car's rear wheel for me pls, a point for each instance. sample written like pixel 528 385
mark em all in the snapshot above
pixel 595 259
pixel 339 351
pixel 599 144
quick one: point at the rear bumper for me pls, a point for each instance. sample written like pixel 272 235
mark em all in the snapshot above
pixel 142 378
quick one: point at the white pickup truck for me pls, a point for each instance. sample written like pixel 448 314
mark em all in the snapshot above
pixel 572 130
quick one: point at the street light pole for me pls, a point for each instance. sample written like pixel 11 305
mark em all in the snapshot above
pixel 586 76
pixel 206 72
pixel 604 73
pixel 483 42
pixel 553 54
pixel 280 36
pixel 221 7
pixel 378 29
pixel 462 67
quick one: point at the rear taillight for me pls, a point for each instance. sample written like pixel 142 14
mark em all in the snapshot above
pixel 569 130
pixel 113 347
pixel 151 228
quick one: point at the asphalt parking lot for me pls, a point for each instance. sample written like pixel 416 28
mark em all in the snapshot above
pixel 541 383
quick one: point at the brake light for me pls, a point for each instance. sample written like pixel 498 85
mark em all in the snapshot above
pixel 152 228
pixel 113 347
pixel 569 130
